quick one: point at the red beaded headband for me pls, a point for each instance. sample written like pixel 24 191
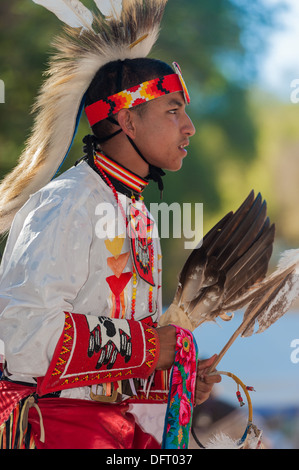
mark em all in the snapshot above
pixel 136 95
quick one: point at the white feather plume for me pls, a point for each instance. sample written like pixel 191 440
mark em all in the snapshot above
pixel 223 441
pixel 109 8
pixel 71 12
pixel 288 258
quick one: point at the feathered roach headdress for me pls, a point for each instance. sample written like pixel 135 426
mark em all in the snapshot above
pixel 125 29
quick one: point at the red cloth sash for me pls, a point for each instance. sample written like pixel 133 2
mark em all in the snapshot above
pixel 81 424
pixel 77 424
pixel 10 395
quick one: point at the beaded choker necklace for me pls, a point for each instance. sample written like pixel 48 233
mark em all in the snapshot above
pixel 138 224
pixel 124 180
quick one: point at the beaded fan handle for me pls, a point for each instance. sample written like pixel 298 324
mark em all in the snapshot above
pixel 250 426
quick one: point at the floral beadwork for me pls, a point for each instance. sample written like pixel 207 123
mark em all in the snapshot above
pixel 182 390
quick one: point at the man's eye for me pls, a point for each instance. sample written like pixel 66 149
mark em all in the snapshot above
pixel 173 111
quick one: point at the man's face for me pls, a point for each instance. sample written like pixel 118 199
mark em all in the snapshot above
pixel 163 131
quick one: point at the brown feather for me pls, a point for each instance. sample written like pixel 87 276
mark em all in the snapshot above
pixel 250 269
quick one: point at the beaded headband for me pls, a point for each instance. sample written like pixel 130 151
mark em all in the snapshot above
pixel 136 95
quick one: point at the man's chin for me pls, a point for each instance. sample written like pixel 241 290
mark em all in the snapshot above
pixel 176 166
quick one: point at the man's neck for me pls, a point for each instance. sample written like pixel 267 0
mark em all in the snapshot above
pixel 120 150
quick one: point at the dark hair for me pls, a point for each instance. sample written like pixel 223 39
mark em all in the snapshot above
pixel 120 75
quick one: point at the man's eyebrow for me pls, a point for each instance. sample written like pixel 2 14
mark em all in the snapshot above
pixel 174 102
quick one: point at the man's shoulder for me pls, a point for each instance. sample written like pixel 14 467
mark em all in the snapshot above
pixel 75 185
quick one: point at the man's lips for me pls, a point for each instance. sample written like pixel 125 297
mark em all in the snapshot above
pixel 183 146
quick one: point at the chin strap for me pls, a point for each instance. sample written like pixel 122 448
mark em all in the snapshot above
pixel 155 173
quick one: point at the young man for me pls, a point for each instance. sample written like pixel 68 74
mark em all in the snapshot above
pixel 80 290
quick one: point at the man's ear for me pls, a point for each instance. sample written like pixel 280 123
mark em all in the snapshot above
pixel 126 120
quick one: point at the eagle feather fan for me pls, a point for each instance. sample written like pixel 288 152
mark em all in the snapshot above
pixel 228 272
pixel 233 256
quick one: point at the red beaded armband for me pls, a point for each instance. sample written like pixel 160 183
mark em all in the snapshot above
pixel 94 350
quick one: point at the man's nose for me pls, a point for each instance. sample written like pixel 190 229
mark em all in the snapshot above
pixel 189 127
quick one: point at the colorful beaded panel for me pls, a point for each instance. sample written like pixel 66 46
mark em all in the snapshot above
pixel 134 96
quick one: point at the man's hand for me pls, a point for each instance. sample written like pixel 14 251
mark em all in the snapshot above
pixel 167 339
pixel 205 383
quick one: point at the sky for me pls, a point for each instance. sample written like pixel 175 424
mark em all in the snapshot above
pixel 280 67
pixel 268 361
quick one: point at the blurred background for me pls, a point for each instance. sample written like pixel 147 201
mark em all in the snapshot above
pixel 240 60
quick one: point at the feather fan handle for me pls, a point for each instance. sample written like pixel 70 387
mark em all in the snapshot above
pixel 109 8
pixel 71 12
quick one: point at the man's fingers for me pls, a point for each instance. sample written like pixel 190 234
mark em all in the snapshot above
pixel 212 379
pixel 206 363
